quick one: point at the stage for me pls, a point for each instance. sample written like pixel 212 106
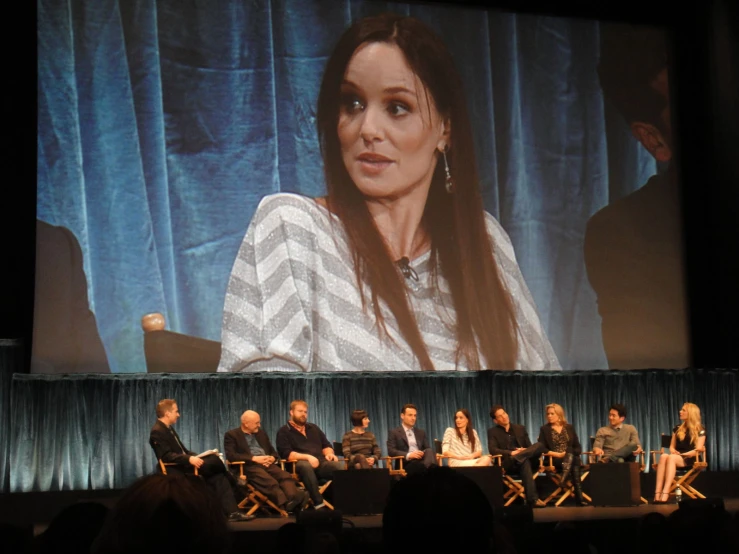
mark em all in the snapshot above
pixel 540 515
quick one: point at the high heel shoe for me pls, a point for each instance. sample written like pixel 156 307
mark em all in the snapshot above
pixel 658 497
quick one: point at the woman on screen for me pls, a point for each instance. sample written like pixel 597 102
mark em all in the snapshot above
pixel 359 446
pixel 461 444
pixel 399 267
pixel 688 441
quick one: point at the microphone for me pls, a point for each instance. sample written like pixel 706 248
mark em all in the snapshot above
pixel 404 264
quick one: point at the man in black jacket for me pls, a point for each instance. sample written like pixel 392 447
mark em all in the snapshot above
pixel 512 441
pixel 169 448
pixel 410 442
pixel 305 444
pixel 250 444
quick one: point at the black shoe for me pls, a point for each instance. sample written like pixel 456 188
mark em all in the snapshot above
pixel 239 516
pixel 298 503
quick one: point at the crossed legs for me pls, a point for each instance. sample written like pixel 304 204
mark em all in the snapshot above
pixel 666 469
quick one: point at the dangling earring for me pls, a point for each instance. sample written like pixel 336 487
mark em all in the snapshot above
pixel 449 184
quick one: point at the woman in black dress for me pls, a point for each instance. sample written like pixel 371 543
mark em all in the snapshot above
pixel 688 440
pixel 560 439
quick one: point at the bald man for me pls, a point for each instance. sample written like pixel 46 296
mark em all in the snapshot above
pixel 250 444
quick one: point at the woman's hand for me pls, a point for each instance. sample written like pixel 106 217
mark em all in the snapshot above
pixel 673 451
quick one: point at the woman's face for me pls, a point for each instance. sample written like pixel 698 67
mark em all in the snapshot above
pixel 365 422
pixel 389 129
pixel 683 413
pixel 460 420
pixel 552 416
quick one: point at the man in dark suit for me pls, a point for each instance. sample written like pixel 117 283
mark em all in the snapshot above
pixel 169 448
pixel 250 444
pixel 512 442
pixel 410 442
pixel 633 246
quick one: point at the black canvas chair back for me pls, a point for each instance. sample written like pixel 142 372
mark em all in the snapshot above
pixel 170 352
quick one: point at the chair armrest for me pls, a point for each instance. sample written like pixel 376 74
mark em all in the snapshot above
pixel 701 457
pixel 291 465
pixel 390 459
pixel 496 459
pixel 241 467
pixel 164 465
pixel 642 463
pixel 653 455
pixel 592 456
pixel 550 467
pixel 440 459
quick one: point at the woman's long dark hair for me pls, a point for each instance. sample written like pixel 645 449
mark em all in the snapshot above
pixel 460 244
pixel 470 428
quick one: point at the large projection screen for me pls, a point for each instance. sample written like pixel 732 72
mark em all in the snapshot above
pixel 161 127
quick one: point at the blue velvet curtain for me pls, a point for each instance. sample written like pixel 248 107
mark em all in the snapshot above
pixel 162 123
pixel 91 432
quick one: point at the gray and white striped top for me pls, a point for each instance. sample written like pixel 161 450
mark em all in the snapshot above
pixel 293 304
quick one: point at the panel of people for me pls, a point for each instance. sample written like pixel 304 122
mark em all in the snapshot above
pixel 305 445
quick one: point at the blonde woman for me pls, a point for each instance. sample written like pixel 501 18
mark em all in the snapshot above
pixel 688 440
pixel 560 439
pixel 461 443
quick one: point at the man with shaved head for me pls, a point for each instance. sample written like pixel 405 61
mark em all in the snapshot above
pixel 250 444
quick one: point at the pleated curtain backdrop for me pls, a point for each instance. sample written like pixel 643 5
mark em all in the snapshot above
pixel 163 123
pixel 91 432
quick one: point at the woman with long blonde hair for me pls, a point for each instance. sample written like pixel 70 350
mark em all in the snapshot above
pixel 688 440
pixel 560 440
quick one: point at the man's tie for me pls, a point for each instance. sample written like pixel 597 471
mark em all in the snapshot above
pixel 178 440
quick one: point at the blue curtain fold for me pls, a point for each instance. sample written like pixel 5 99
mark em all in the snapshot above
pixel 162 123
pixel 91 432
pixel 11 360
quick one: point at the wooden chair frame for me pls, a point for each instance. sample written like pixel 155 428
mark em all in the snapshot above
pixel 566 489
pixel 514 485
pixel 164 465
pixel 684 476
pixel 439 456
pixel 255 500
pixel 321 486
pixel 391 462
pixel 339 449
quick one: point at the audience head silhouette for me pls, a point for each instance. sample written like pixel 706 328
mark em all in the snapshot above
pixel 165 513
pixel 437 508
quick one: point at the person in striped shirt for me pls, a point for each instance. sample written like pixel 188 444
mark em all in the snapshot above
pixel 359 446
pixel 399 267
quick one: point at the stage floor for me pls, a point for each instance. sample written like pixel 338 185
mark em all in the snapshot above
pixel 540 515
